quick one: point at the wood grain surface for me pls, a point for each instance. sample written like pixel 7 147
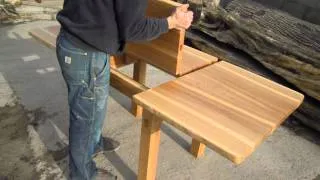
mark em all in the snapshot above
pixel 193 59
pixel 139 75
pixel 149 146
pixel 229 109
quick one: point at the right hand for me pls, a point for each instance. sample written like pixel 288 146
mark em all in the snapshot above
pixel 181 18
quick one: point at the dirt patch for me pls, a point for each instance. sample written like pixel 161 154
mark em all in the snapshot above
pixel 16 157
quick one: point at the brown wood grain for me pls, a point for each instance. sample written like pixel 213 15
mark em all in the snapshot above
pixel 121 61
pixel 153 55
pixel 139 75
pixel 193 59
pixel 125 84
pixel 197 148
pixel 149 146
pixel 164 52
pixel 229 109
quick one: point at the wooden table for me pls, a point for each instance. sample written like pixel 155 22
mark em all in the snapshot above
pixel 223 106
pixel 220 105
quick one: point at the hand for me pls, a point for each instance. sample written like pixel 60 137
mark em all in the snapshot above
pixel 181 18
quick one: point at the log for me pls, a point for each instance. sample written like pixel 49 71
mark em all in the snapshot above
pixel 284 47
pixel 309 111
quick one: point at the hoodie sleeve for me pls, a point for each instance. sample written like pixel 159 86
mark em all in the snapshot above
pixel 133 25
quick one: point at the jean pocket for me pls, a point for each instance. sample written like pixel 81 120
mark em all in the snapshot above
pixel 101 68
pixel 74 64
pixel 68 47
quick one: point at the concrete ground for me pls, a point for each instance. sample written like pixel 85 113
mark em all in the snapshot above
pixel 29 72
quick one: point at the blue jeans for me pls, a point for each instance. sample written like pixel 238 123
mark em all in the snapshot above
pixel 86 74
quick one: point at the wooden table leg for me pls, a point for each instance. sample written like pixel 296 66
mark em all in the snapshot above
pixel 149 147
pixel 197 148
pixel 139 75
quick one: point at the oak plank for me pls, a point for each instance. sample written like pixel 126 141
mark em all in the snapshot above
pixel 155 56
pixel 193 59
pixel 229 146
pixel 139 75
pixel 201 55
pixel 149 146
pixel 223 106
pixel 197 148
pixel 125 84
pixel 258 101
pixel 164 52
pixel 121 61
pixel 247 130
pixel 262 81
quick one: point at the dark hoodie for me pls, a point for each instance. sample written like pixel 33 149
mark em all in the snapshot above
pixel 106 25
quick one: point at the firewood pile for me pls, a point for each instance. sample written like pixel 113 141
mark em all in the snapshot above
pixel 16 11
pixel 7 10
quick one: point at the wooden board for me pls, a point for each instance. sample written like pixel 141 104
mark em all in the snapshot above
pixel 193 59
pixel 197 148
pixel 229 109
pixel 139 75
pixel 164 52
pixel 164 57
pixel 125 84
pixel 149 146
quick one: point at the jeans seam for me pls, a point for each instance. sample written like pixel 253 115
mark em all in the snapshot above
pixel 105 68
pixel 72 51
pixel 94 100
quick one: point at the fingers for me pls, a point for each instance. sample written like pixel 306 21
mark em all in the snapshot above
pixel 186 20
pixel 181 18
pixel 183 8
pixel 190 16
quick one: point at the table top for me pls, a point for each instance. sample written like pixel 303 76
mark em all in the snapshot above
pixel 228 108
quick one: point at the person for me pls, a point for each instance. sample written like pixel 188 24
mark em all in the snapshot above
pixel 91 31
